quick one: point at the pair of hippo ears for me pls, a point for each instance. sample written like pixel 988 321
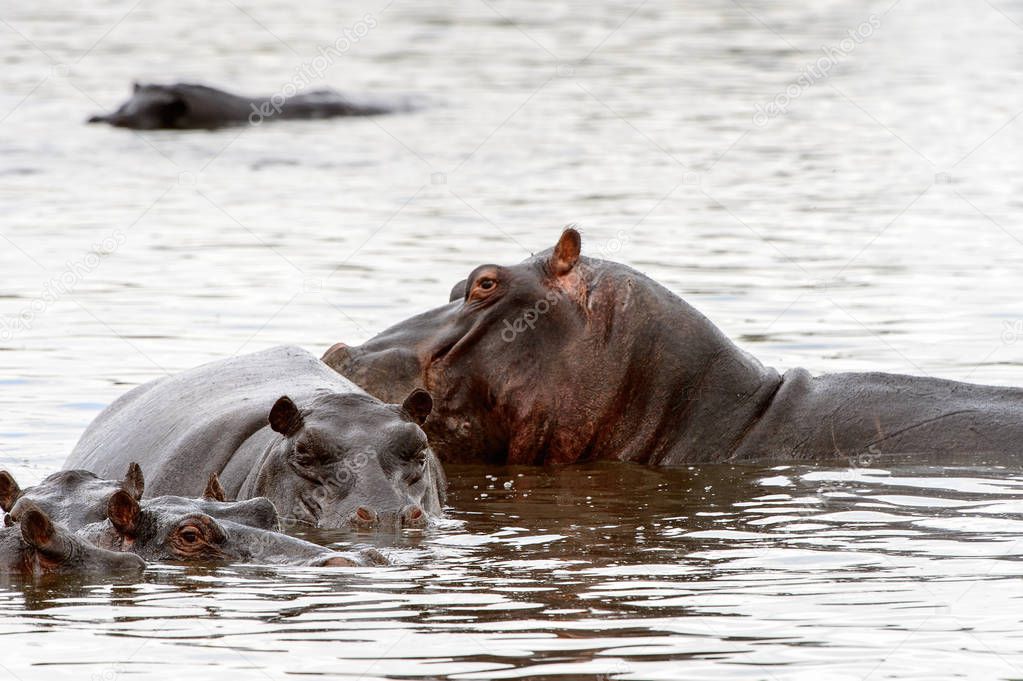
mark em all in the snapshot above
pixel 286 418
pixel 562 260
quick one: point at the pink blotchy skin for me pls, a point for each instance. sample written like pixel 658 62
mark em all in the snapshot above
pixel 563 358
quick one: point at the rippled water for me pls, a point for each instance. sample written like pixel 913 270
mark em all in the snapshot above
pixel 874 224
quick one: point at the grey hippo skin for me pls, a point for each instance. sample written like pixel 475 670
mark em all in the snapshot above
pixel 112 515
pixel 565 358
pixel 170 529
pixel 277 424
pixel 77 498
pixel 32 545
pixel 184 106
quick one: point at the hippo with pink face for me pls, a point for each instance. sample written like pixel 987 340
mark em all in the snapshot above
pixel 565 358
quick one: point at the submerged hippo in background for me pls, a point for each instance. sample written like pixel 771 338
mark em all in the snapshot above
pixel 563 358
pixel 34 545
pixel 184 106
pixel 278 424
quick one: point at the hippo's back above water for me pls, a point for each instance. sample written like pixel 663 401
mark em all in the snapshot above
pixel 209 411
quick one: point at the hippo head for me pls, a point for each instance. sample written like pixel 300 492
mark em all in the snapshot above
pixel 151 107
pixel 32 544
pixel 181 530
pixel 72 498
pixel 560 358
pixel 349 460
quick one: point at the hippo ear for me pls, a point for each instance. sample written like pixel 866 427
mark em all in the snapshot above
pixel 214 490
pixel 36 528
pixel 9 491
pixel 418 405
pixel 566 253
pixel 136 86
pixel 336 356
pixel 457 291
pixel 8 520
pixel 134 483
pixel 285 418
pixel 123 510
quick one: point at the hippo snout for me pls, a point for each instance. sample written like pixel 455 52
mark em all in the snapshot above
pixel 410 516
pixel 357 557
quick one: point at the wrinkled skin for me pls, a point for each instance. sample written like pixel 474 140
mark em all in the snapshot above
pixel 76 498
pixel 35 546
pixel 183 106
pixel 173 529
pixel 564 358
pixel 325 454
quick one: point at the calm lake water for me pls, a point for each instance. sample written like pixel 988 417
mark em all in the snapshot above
pixel 837 184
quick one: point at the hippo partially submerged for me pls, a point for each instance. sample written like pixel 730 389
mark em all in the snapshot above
pixel 33 545
pixel 111 514
pixel 76 498
pixel 278 424
pixel 184 106
pixel 564 358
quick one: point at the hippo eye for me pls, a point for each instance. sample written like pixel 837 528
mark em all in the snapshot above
pixel 190 535
pixel 483 287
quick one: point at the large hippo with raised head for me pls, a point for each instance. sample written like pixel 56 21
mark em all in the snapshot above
pixel 277 424
pixel 565 358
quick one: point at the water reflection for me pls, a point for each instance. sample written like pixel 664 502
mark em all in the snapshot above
pixel 604 569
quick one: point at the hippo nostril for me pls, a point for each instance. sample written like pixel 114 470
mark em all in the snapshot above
pixel 412 516
pixel 365 514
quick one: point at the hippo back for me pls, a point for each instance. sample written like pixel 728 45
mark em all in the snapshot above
pixel 184 427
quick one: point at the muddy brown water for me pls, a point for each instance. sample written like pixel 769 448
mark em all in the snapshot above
pixel 866 218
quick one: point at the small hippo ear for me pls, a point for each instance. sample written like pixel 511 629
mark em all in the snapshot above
pixel 136 86
pixel 566 252
pixel 214 490
pixel 134 483
pixel 8 520
pixel 123 510
pixel 418 405
pixel 9 491
pixel 336 356
pixel 36 527
pixel 285 418
pixel 457 291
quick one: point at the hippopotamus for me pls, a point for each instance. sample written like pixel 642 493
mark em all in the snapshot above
pixel 564 358
pixel 183 106
pixel 278 424
pixel 32 545
pixel 76 498
pixel 175 529
pixel 112 514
